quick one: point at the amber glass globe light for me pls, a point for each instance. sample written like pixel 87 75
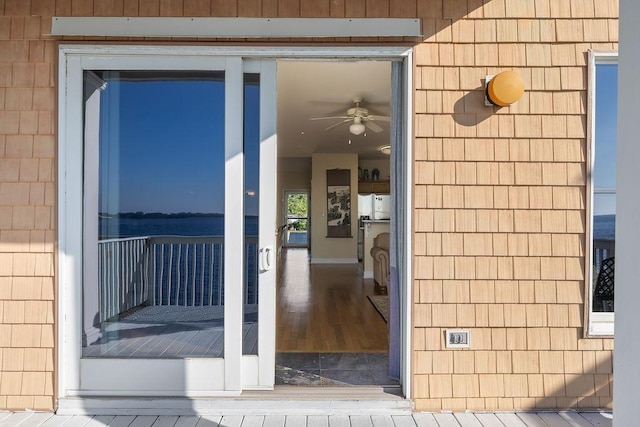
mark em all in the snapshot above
pixel 505 88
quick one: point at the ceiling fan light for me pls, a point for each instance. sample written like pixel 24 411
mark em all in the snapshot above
pixel 356 128
pixel 385 149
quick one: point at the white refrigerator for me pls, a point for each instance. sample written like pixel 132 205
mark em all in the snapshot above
pixel 381 206
pixel 374 206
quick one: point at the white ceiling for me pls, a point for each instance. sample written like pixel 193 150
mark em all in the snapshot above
pixel 316 89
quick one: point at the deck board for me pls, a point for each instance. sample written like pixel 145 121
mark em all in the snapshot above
pixel 209 421
pixel 508 419
pixel 576 420
pixel 339 421
pixel 425 420
pixel 58 420
pixel 35 420
pixel 598 419
pixel 144 421
pixel 532 420
pixel 186 421
pixel 273 421
pixel 165 421
pixel 361 421
pixel 15 419
pixel 554 419
pixel 317 421
pixel 253 421
pixel 446 420
pixel 81 421
pixel 295 421
pixel 466 419
pixel 121 421
pixel 496 420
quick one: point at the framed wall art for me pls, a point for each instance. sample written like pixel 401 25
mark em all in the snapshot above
pixel 338 203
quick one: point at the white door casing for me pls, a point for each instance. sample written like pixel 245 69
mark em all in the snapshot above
pixel 73 59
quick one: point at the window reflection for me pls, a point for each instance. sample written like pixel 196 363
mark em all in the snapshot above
pixel 160 291
pixel 604 187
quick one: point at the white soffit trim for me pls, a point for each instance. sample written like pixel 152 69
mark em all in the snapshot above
pixel 235 27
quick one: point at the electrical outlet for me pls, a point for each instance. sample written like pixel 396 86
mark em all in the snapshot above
pixel 458 338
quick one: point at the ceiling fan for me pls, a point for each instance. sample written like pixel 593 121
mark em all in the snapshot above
pixel 359 116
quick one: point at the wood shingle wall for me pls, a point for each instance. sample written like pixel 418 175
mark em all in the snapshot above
pixel 499 219
pixel 500 194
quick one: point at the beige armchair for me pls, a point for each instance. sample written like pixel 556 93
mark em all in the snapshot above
pixel 380 254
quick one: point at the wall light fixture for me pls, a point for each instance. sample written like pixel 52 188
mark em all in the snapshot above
pixel 503 89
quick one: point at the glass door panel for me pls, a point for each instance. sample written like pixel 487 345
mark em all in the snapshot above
pixel 161 205
pixel 250 328
pixel 176 238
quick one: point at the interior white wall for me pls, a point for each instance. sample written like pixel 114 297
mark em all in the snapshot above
pixel 325 249
pixel 626 386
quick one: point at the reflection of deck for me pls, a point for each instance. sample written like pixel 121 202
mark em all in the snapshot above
pixel 172 332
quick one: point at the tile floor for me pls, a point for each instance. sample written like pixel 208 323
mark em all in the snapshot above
pixel 333 369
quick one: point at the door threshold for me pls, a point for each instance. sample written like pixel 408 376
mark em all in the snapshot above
pixel 297 392
pixel 283 400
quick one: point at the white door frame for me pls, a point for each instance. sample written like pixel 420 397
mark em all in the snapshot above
pixel 70 185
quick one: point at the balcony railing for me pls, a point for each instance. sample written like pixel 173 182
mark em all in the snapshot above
pixel 168 270
pixel 602 249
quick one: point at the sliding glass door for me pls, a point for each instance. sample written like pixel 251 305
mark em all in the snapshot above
pixel 176 291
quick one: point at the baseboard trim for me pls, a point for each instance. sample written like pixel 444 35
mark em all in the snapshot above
pixel 334 260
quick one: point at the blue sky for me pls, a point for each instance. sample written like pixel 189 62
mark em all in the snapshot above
pixel 606 114
pixel 167 140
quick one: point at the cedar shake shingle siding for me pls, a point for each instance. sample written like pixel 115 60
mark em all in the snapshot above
pixel 499 194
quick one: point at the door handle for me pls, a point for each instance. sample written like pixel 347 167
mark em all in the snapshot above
pixel 266 258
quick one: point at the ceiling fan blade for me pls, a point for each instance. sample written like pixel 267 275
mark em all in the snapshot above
pixel 374 127
pixel 339 123
pixel 328 117
pixel 379 118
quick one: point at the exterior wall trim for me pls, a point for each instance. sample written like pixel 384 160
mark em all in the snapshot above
pixel 234 27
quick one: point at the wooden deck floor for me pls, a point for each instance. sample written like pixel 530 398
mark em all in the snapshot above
pixel 502 419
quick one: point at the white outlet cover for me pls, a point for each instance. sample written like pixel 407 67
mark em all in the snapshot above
pixel 458 338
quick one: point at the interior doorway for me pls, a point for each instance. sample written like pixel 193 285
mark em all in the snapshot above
pixel 331 315
pixel 296 208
